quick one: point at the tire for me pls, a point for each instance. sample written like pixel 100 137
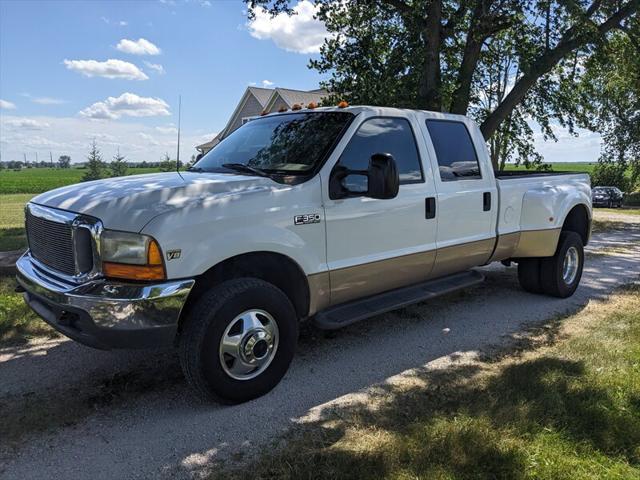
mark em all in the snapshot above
pixel 529 274
pixel 214 316
pixel 555 279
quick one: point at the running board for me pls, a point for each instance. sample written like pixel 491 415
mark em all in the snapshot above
pixel 351 312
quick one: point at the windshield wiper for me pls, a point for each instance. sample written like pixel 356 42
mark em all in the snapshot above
pixel 195 169
pixel 241 167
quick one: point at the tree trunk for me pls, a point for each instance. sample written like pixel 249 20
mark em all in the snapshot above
pixel 429 88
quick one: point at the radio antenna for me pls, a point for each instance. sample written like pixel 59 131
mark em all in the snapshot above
pixel 179 119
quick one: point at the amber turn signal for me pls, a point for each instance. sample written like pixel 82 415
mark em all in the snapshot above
pixel 154 256
pixel 133 272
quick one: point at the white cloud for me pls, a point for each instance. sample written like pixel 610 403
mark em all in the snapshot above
pixel 72 136
pixel 301 33
pixel 25 124
pixel 141 46
pixel 267 83
pixel 6 105
pixel 205 3
pixel 108 69
pixel 127 104
pixel 43 100
pixel 156 67
pixel 123 23
pixel 47 101
pixel 167 130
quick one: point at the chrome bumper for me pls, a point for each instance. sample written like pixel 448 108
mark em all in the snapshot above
pixel 105 314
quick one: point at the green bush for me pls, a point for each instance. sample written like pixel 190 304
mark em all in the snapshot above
pixel 632 199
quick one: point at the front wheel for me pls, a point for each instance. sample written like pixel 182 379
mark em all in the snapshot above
pixel 560 275
pixel 238 340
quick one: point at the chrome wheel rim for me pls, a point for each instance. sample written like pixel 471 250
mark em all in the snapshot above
pixel 249 344
pixel 570 265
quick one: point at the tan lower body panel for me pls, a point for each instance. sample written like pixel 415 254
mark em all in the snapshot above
pixel 360 281
pixel 537 243
pixel 319 292
pixel 505 246
pixel 363 280
pixel 458 258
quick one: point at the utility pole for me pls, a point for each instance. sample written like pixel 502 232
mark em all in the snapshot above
pixel 51 158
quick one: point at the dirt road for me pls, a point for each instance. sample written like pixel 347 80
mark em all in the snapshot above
pixel 71 412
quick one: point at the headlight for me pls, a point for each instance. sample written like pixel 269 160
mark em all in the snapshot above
pixel 132 256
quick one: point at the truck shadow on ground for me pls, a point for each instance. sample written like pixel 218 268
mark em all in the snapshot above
pixel 453 427
pixel 81 383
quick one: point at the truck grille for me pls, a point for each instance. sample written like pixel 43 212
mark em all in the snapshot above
pixel 51 243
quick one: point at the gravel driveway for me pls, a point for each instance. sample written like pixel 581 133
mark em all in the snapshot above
pixel 89 414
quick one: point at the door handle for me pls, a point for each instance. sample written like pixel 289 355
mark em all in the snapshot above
pixel 430 207
pixel 486 201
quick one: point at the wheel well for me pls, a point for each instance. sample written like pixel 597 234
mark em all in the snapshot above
pixel 578 221
pixel 274 268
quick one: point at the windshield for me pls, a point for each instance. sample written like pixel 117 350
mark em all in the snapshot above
pixel 288 144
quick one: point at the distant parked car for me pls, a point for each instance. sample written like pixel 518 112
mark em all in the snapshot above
pixel 607 197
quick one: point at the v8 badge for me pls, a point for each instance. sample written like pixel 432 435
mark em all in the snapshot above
pixel 173 254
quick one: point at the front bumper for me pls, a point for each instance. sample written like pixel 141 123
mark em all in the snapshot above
pixel 105 314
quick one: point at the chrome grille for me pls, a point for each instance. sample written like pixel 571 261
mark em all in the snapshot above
pixel 51 243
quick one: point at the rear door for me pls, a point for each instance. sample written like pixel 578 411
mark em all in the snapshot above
pixel 375 245
pixel 466 194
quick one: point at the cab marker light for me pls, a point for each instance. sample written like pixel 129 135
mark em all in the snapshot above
pixel 343 104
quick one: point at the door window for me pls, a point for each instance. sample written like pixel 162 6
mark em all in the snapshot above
pixel 383 135
pixel 457 159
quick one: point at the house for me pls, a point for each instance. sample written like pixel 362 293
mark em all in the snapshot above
pixel 256 100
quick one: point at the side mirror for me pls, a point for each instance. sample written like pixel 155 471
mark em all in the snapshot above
pixel 379 181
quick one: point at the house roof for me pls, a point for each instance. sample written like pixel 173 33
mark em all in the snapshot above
pixel 262 94
pixel 291 97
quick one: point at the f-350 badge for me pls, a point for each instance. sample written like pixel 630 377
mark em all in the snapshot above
pixel 306 219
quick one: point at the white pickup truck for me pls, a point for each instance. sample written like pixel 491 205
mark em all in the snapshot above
pixel 326 214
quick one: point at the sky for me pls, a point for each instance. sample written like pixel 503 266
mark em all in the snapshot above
pixel 72 72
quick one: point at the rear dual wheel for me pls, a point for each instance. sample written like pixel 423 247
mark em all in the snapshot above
pixel 559 275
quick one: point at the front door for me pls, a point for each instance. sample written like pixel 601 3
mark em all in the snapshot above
pixel 376 245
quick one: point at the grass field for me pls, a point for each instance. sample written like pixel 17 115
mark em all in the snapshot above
pixel 17 187
pixel 565 405
pixel 582 167
pixel 18 323
pixel 38 180
pixel 12 235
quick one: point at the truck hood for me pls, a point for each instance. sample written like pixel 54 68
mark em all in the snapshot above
pixel 129 203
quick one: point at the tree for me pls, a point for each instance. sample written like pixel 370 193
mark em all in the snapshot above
pixel 64 161
pixel 118 166
pixel 437 55
pixel 96 168
pixel 611 89
pixel 166 164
